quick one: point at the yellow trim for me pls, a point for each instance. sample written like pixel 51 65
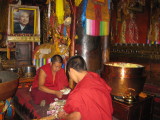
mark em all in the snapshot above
pixel 23 38
pixel 12 26
pixel 35 23
pixel 8 53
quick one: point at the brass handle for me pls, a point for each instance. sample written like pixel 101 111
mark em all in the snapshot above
pixel 128 92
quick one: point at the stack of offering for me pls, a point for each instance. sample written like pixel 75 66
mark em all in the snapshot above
pixel 56 106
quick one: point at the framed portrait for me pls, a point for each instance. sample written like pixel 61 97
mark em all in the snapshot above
pixel 23 23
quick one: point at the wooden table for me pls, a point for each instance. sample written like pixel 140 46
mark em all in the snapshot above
pixel 140 110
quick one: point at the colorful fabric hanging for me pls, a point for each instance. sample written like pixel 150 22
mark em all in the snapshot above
pixel 60 11
pixel 40 62
pixel 97 14
pixel 97 28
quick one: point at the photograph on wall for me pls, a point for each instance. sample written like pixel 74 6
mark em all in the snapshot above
pixel 23 21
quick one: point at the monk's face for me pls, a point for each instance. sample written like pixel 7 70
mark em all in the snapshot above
pixel 56 66
pixel 24 18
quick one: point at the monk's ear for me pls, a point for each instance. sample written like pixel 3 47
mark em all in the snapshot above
pixel 72 70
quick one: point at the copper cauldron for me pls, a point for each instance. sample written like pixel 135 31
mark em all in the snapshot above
pixel 124 78
pixel 8 84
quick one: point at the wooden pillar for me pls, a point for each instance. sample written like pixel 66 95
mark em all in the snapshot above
pixel 89 47
pixel 73 34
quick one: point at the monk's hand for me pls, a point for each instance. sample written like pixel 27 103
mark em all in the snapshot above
pixel 61 114
pixel 59 94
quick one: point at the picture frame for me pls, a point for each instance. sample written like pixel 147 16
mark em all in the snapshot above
pixel 23 23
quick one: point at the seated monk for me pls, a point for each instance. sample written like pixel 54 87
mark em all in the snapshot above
pixel 90 99
pixel 48 82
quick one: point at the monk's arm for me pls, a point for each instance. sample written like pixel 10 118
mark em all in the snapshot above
pixel 72 116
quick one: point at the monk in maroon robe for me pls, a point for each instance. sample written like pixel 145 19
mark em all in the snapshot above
pixel 90 99
pixel 49 80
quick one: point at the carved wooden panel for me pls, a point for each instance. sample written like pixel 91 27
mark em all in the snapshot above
pixel 23 53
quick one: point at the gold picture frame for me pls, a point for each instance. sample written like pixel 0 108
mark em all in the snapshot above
pixel 23 23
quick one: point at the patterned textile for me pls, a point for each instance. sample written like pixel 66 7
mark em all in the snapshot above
pixel 24 98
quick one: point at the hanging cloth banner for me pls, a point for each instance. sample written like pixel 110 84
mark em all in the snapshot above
pixel 97 14
pixel 97 28
pixel 60 11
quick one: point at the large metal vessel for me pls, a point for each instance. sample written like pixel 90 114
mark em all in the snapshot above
pixel 8 84
pixel 29 71
pixel 124 78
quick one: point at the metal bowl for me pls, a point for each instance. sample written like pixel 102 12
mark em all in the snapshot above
pixel 29 71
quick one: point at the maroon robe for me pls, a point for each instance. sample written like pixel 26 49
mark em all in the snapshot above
pixel 91 97
pixel 59 83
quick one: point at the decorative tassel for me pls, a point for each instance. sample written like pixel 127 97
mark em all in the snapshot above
pixel 8 53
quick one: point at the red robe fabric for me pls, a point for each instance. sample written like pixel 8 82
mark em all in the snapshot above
pixel 91 97
pixel 59 83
